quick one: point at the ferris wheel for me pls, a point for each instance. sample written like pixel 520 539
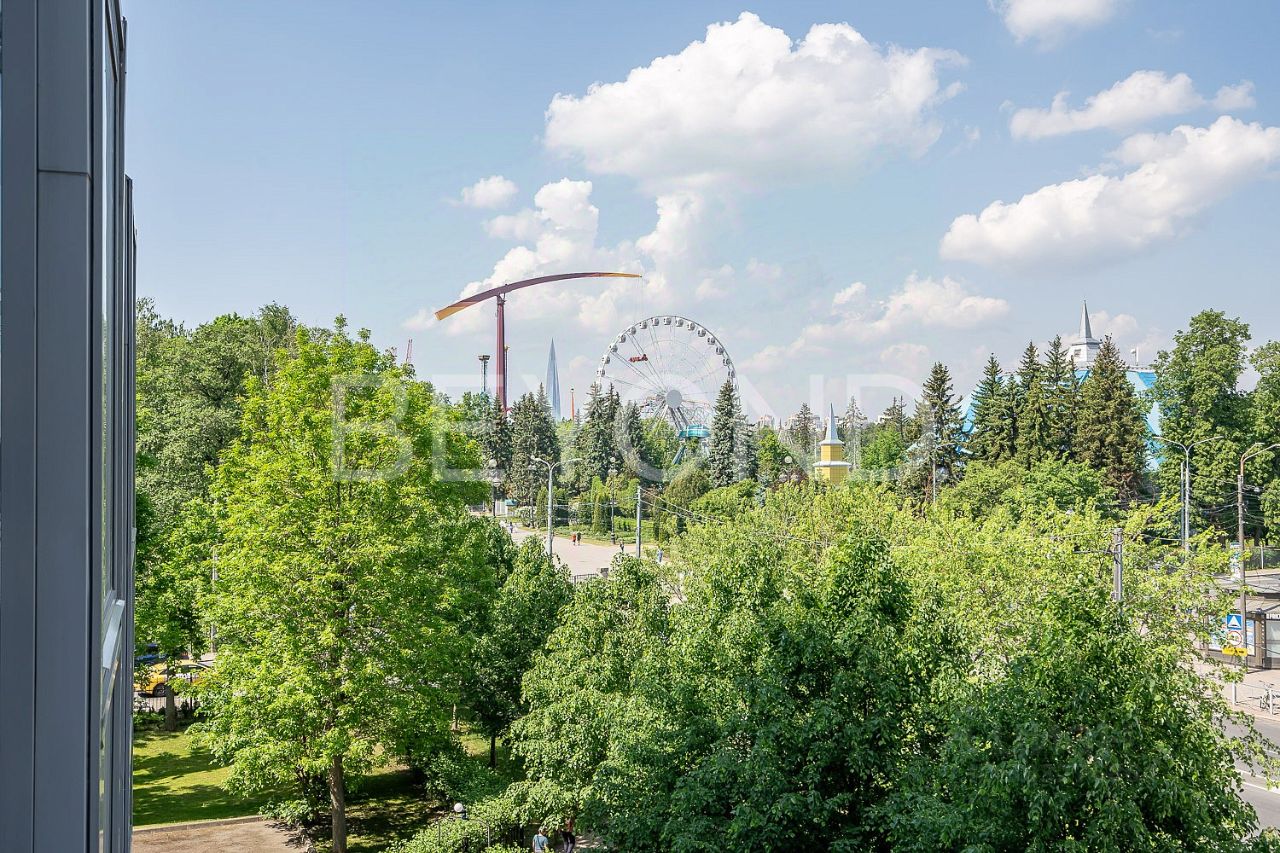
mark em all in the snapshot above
pixel 670 367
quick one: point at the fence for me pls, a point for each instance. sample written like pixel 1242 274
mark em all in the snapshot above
pixel 1265 696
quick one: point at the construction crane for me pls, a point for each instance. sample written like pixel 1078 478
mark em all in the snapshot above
pixel 499 295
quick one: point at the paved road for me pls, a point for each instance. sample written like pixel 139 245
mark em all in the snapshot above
pixel 584 560
pixel 1266 802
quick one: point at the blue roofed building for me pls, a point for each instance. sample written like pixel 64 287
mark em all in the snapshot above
pixel 1083 351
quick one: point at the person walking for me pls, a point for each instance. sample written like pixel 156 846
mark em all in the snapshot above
pixel 540 841
pixel 659 555
pixel 570 840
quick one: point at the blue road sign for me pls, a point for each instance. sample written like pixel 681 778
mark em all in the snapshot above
pixel 1233 622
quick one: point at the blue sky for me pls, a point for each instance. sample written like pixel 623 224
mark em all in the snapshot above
pixel 828 205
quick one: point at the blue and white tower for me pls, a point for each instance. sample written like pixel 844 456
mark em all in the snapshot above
pixel 553 382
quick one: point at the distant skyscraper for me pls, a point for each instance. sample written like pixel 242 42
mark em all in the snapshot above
pixel 553 382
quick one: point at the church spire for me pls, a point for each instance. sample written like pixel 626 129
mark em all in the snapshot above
pixel 1085 348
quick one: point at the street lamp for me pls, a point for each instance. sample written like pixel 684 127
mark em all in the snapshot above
pixel 551 495
pixel 460 812
pixel 1186 483
pixel 1244 623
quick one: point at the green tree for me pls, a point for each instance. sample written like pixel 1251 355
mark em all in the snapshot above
pixel 993 435
pixel 1078 748
pixel 1265 414
pixel 349 576
pixel 851 430
pixel 1061 391
pixel 802 434
pixel 725 431
pixel 943 425
pixel 1111 432
pixel 772 458
pixel 533 434
pixel 690 483
pixel 497 439
pixel 524 613
pixel 1197 388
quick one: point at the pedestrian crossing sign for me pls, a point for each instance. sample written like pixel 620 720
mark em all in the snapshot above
pixel 1233 641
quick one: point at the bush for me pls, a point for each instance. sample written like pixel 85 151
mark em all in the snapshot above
pixel 450 835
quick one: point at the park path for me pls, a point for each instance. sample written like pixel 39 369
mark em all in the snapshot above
pixel 584 560
pixel 254 835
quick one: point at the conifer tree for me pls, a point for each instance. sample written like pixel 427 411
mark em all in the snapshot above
pixel 802 434
pixel 1061 393
pixel 1034 423
pixel 532 434
pixel 724 433
pixel 629 440
pixel 942 424
pixel 851 431
pixel 593 443
pixel 497 439
pixel 992 437
pixel 1111 432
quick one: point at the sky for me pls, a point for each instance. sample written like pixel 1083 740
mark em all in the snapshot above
pixel 842 193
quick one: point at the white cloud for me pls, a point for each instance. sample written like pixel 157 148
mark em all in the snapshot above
pixel 491 192
pixel 560 233
pixel 1140 97
pixel 1049 21
pixel 746 105
pixel 920 305
pixel 1174 177
pixel 906 359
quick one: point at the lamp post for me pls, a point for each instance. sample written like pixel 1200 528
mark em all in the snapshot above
pixel 1186 483
pixel 460 812
pixel 551 495
pixel 484 374
pixel 1244 622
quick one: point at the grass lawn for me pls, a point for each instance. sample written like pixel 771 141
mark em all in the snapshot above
pixel 174 783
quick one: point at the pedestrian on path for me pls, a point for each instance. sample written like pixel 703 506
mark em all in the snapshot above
pixel 659 555
pixel 540 841
pixel 570 840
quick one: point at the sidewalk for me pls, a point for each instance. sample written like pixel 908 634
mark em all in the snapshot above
pixel 1258 693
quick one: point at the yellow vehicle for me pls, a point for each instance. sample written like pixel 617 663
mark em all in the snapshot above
pixel 155 680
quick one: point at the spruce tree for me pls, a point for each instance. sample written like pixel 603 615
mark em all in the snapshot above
pixel 532 434
pixel 629 440
pixel 1034 423
pixel 942 424
pixel 594 440
pixel 497 439
pixel 724 430
pixel 1111 432
pixel 802 434
pixel 1061 393
pixel 991 438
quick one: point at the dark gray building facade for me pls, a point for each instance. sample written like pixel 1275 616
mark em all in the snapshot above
pixel 66 429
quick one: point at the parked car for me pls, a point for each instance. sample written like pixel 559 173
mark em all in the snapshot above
pixel 155 680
